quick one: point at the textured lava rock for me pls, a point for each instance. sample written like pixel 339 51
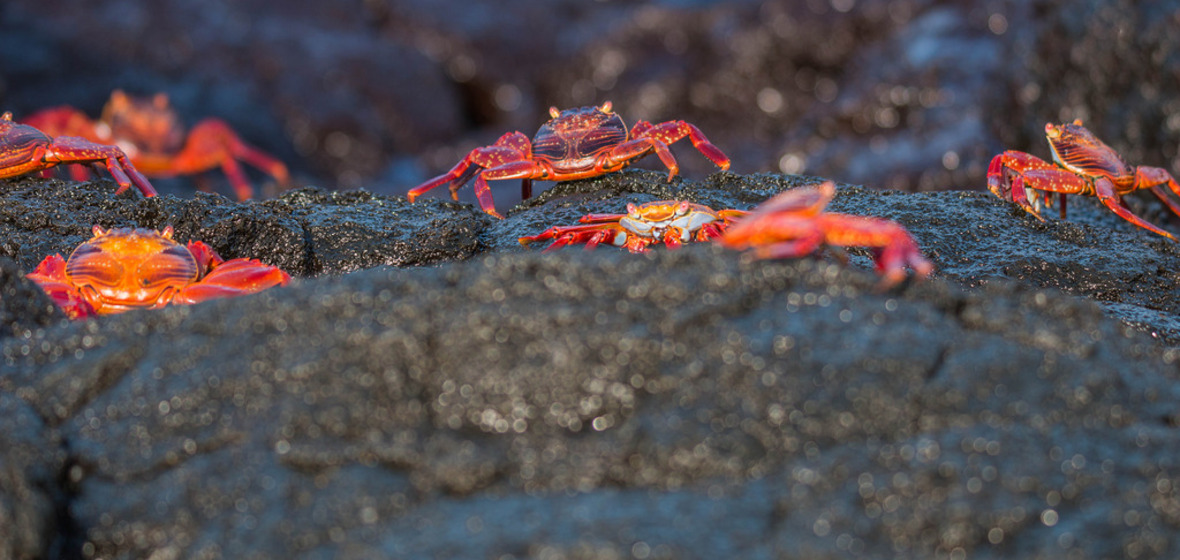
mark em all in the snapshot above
pixel 305 232
pixel 600 404
pixel 32 482
pixel 23 306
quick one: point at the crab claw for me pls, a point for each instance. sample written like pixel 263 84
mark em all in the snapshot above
pixel 50 275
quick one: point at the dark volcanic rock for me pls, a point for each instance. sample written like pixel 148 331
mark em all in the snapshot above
pixel 525 402
pixel 679 404
pixel 355 229
pixel 31 482
pixel 23 306
pixel 305 232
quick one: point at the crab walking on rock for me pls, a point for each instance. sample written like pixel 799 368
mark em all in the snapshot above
pixel 671 222
pixel 574 144
pixel 1082 164
pixel 150 131
pixel 25 149
pixel 790 224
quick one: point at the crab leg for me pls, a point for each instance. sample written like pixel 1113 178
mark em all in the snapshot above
pixel 67 121
pixel 70 149
pixel 212 143
pixel 523 169
pixel 896 249
pixel 1011 172
pixel 1155 178
pixel 600 218
pixel 511 147
pixel 1058 180
pixel 232 278
pixel 50 275
pixel 1105 190
pixel 806 244
pixel 592 235
pixel 672 131
pixel 1005 177
pixel 712 231
pixel 621 155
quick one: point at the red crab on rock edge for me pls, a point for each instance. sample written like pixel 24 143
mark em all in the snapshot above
pixel 793 224
pixel 1082 164
pixel 574 144
pixel 790 224
pixel 671 222
pixel 122 269
pixel 25 149
pixel 151 133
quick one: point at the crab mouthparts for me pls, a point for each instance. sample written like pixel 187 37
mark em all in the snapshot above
pixel 123 298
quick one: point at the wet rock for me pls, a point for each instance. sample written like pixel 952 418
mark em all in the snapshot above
pixel 598 404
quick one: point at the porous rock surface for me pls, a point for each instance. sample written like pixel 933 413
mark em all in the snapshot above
pixel 428 388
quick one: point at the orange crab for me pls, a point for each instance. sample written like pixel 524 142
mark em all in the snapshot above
pixel 793 224
pixel 574 144
pixel 1082 164
pixel 671 222
pixel 24 149
pixel 122 269
pixel 151 133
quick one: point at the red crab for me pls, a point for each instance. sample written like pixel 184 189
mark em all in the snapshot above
pixel 122 269
pixel 793 224
pixel 574 144
pixel 151 133
pixel 1082 164
pixel 24 149
pixel 671 222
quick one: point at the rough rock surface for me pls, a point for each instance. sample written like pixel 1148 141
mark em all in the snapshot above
pixel 508 403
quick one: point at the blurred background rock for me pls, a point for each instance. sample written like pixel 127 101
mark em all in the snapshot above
pixel 383 94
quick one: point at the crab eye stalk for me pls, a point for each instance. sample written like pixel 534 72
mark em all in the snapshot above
pixel 554 112
pixel 632 211
pixel 606 107
pixel 167 233
pixel 98 231
pixel 682 208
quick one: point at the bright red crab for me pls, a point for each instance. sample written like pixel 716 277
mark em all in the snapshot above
pixel 1082 164
pixel 24 149
pixel 150 131
pixel 574 144
pixel 122 269
pixel 671 222
pixel 793 224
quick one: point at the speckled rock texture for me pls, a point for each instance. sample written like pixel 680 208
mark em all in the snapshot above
pixel 428 388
